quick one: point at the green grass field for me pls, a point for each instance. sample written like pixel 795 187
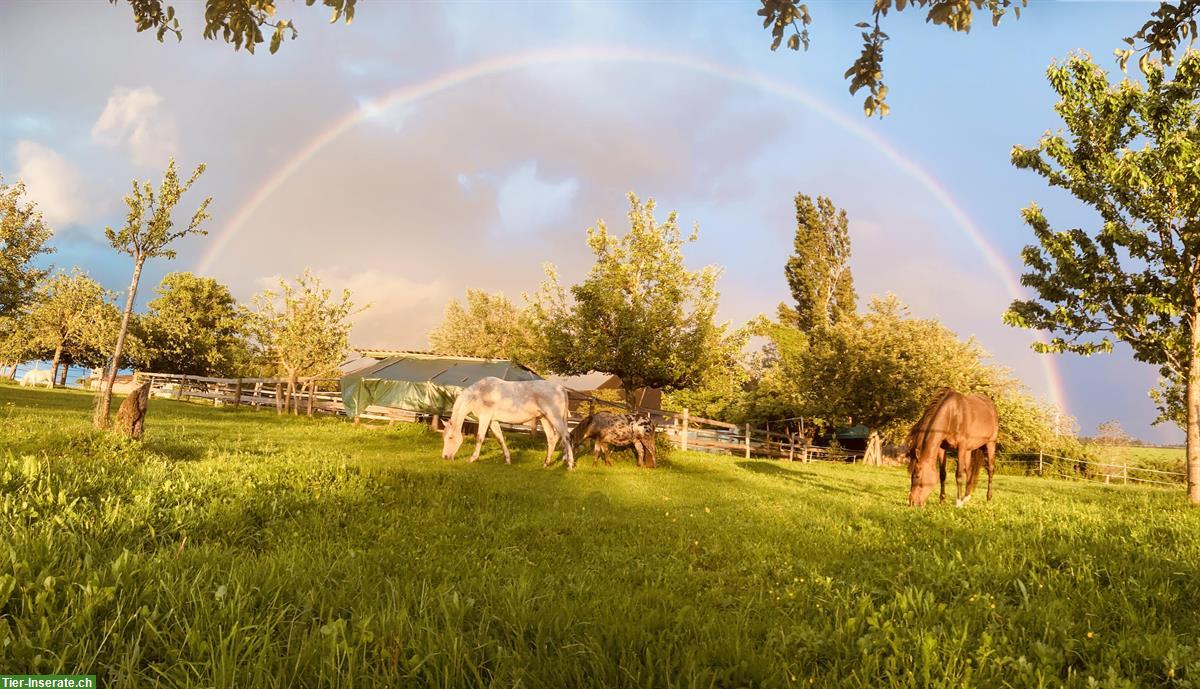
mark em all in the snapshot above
pixel 238 549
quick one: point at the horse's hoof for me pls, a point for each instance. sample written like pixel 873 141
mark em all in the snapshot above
pixel 959 503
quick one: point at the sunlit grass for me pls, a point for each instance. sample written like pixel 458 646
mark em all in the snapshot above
pixel 239 549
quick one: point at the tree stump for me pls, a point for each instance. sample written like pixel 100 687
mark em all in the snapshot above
pixel 131 416
pixel 874 454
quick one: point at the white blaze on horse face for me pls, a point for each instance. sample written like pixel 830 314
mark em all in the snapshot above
pixel 452 439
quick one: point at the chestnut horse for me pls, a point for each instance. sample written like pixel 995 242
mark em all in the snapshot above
pixel 952 421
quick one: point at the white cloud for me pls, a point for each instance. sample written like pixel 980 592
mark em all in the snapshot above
pixel 135 120
pixel 392 116
pixel 527 203
pixel 52 182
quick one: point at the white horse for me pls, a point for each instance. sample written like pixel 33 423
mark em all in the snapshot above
pixel 36 377
pixel 494 401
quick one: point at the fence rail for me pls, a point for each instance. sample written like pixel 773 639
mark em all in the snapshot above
pixel 1109 472
pixel 682 429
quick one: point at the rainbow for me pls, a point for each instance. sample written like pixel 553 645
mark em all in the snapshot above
pixel 496 66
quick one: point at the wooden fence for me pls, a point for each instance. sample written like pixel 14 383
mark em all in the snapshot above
pixel 682 429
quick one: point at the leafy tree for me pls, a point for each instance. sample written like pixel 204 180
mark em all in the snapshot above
pixel 23 236
pixel 1130 152
pixel 194 327
pixel 488 326
pixel 238 22
pixel 71 315
pixel 817 271
pixel 719 392
pixel 303 332
pixel 883 368
pixel 1111 433
pixel 640 314
pixel 776 388
pixel 148 233
pixel 1171 24
pixel 15 346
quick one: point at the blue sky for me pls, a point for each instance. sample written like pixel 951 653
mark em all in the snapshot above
pixel 478 185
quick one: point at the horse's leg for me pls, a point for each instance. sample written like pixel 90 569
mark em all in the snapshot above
pixel 941 460
pixel 564 433
pixel 991 465
pixel 495 426
pixel 481 430
pixel 551 441
pixel 961 467
pixel 641 456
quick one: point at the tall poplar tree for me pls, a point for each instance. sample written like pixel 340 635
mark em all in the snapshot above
pixel 818 272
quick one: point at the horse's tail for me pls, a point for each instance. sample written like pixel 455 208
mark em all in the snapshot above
pixel 579 433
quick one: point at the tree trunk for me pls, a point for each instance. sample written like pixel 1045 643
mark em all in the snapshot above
pixel 874 453
pixel 291 399
pixel 54 365
pixel 66 367
pixel 12 372
pixel 312 392
pixel 100 417
pixel 1193 413
pixel 630 397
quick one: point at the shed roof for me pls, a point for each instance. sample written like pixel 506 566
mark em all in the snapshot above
pixel 444 370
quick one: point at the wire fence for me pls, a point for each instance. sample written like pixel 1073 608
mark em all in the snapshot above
pixel 1046 464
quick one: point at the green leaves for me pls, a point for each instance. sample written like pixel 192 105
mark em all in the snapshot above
pixel 639 314
pixel 302 331
pixel 23 237
pixel 149 227
pixel 1135 277
pixel 193 327
pixel 867 69
pixel 818 271
pixel 488 326
pixel 779 15
pixel 237 22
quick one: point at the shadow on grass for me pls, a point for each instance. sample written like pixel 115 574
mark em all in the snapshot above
pixel 804 478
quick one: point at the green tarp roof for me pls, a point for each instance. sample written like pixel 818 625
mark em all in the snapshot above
pixel 419 383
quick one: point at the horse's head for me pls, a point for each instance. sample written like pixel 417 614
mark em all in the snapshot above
pixel 452 439
pixel 924 476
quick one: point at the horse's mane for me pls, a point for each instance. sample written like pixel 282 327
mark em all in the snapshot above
pixel 919 432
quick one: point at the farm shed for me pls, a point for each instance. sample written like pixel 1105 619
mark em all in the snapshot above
pixel 419 381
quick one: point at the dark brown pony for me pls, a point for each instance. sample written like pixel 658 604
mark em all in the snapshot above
pixel 609 430
pixel 952 421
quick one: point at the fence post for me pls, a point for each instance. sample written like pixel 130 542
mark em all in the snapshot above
pixel 237 393
pixel 747 441
pixel 683 437
pixel 179 388
pixel 1125 473
pixel 1039 462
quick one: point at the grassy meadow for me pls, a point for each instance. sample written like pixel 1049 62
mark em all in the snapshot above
pixel 234 548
